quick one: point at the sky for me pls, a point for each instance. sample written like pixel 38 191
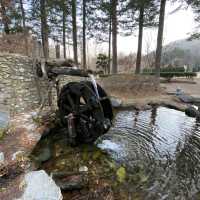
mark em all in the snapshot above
pixel 177 26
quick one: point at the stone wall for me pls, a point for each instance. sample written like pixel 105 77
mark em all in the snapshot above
pixel 20 90
pixel 16 43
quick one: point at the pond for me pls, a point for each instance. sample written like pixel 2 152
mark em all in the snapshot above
pixel 165 144
pixel 158 133
pixel 158 148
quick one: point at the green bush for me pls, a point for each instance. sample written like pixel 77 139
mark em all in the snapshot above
pixel 170 72
pixel 166 69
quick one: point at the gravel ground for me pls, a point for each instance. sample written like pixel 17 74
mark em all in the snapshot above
pixel 186 86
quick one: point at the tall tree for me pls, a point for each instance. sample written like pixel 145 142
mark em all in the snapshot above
pixel 44 28
pixel 84 34
pixel 195 5
pixel 109 44
pixel 160 39
pixel 74 29
pixel 23 15
pixel 140 37
pixel 64 16
pixel 5 18
pixel 114 36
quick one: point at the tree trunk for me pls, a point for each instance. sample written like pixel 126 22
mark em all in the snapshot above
pixel 64 31
pixel 114 36
pixel 74 27
pixel 5 18
pixel 84 35
pixel 109 44
pixel 160 39
pixel 23 15
pixel 140 37
pixel 44 28
pixel 25 31
pixel 57 51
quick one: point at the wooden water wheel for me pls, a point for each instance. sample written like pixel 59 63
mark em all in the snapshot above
pixel 86 114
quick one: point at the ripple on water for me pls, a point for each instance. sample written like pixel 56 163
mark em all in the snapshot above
pixel 157 132
pixel 166 142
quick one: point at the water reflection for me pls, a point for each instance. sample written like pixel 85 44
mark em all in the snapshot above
pixel 166 142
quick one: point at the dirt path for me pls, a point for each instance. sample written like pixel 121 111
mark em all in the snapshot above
pixel 187 87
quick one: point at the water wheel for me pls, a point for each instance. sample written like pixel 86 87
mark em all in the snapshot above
pixel 85 115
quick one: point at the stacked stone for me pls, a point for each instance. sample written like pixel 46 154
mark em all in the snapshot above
pixel 20 89
pixel 17 83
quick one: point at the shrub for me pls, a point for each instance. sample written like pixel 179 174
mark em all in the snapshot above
pixel 170 72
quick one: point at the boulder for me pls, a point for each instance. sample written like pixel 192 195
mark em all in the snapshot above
pixel 185 98
pixel 44 155
pixel 70 181
pixel 39 186
pixel 2 158
pixel 116 103
pixel 192 112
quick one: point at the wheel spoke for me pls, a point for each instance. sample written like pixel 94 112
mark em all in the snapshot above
pixel 70 101
pixel 66 107
pixel 84 108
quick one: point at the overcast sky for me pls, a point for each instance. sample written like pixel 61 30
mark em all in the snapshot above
pixel 177 26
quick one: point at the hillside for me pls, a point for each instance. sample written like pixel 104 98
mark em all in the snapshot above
pixel 192 46
pixel 178 53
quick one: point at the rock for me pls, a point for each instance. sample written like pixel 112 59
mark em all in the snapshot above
pixel 147 107
pixel 192 112
pixel 3 170
pixel 83 169
pixel 185 98
pixel 19 156
pixel 44 155
pixel 70 181
pixel 39 186
pixel 116 103
pixel 196 98
pixel 179 91
pixel 2 158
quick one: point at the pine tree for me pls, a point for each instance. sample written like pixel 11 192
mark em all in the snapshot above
pixel 74 30
pixel 160 39
pixel 143 14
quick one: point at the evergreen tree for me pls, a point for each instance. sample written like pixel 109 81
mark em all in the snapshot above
pixel 160 39
pixel 143 14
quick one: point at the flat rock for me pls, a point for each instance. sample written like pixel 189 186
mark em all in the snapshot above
pixel 2 158
pixel 44 155
pixel 70 181
pixel 116 103
pixel 186 98
pixel 196 98
pixel 192 112
pixel 39 186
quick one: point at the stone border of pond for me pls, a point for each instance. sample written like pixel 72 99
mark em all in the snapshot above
pixel 147 103
pixel 21 136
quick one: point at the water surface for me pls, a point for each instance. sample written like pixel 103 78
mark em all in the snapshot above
pixel 165 144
